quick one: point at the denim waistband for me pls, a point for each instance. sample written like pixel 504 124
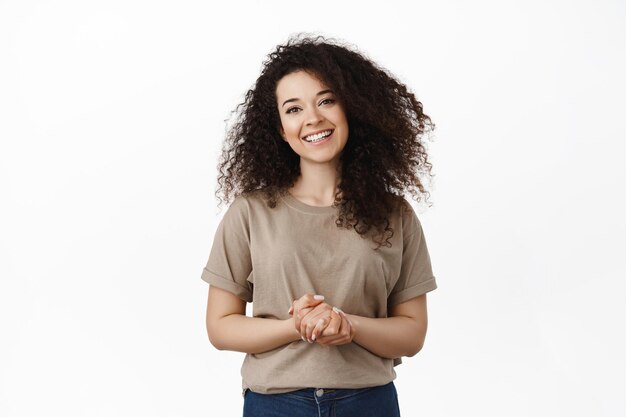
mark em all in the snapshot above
pixel 327 394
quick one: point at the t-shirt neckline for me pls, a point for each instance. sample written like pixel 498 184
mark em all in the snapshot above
pixel 293 202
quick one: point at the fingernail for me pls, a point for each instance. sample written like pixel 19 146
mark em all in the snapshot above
pixel 313 337
pixel 337 310
pixel 310 341
pixel 318 297
pixel 303 339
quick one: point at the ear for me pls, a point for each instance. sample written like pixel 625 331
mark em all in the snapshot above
pixel 282 133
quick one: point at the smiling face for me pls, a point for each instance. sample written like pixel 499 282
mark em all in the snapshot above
pixel 313 120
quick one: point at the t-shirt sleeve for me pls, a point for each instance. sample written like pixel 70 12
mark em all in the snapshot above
pixel 416 275
pixel 230 265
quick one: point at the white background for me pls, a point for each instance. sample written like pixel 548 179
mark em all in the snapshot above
pixel 111 122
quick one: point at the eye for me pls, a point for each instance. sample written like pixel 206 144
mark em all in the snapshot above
pixel 292 110
pixel 327 100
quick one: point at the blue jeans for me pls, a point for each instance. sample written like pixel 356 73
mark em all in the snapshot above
pixel 381 401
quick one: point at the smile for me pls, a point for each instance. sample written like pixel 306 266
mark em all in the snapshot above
pixel 317 137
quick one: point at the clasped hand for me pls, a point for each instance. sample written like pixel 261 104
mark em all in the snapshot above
pixel 317 321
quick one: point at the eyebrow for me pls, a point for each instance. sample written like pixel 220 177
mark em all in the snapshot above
pixel 318 94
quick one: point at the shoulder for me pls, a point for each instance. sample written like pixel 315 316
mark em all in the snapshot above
pixel 246 198
pixel 248 202
pixel 408 217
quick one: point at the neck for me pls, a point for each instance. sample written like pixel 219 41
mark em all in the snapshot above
pixel 317 184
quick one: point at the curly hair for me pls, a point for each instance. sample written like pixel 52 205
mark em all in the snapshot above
pixel 384 157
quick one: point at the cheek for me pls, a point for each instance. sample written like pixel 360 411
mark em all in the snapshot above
pixel 340 118
pixel 291 129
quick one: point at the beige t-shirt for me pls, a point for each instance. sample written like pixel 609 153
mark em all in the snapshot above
pixel 272 256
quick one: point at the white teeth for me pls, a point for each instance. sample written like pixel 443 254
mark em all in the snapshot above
pixel 317 137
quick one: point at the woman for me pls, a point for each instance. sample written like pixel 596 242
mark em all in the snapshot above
pixel 319 236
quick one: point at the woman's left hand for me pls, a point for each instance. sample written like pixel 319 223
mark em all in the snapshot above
pixel 303 306
pixel 344 336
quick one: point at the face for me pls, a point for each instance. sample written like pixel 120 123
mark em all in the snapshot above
pixel 313 120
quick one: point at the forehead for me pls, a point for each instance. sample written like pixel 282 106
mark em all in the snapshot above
pixel 299 84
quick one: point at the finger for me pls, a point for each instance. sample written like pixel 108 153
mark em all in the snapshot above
pixel 321 308
pixel 309 323
pixel 330 339
pixel 311 312
pixel 351 328
pixel 308 300
pixel 334 325
pixel 343 315
pixel 344 335
pixel 302 328
pixel 302 312
pixel 342 338
pixel 319 327
pixel 308 330
pixel 307 318
pixel 300 316
pixel 336 337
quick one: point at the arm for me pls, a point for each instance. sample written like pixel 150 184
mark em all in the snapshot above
pixel 400 334
pixel 229 328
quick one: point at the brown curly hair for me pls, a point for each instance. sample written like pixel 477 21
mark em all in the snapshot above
pixel 385 154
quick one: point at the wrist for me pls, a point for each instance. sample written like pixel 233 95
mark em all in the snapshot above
pixel 354 322
pixel 290 329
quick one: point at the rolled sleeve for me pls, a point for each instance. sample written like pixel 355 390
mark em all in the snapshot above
pixel 416 275
pixel 231 286
pixel 229 266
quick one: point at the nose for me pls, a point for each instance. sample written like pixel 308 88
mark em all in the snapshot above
pixel 313 116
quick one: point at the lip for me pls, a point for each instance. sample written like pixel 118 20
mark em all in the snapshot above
pixel 318 131
pixel 323 141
